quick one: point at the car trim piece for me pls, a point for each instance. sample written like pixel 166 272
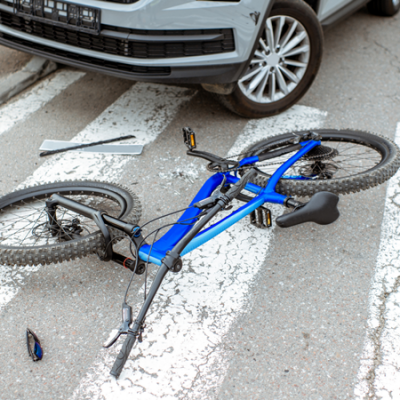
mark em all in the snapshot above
pixel 342 14
pixel 162 38
pixel 225 73
pixel 205 60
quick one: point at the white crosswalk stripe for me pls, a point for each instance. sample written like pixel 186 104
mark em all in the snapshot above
pixel 379 374
pixel 15 112
pixel 181 356
pixel 144 110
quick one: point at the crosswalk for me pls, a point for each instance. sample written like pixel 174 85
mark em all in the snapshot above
pixel 379 370
pixel 213 291
pixel 143 111
pixel 183 353
pixel 34 99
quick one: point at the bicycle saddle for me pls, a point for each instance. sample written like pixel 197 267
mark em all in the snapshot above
pixel 321 209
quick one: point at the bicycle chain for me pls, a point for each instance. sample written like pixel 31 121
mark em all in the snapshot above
pixel 243 167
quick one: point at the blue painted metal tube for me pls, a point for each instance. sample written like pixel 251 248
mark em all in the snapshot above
pixel 176 232
pixel 264 195
pixel 249 160
pixel 307 146
pixel 251 187
pixel 224 224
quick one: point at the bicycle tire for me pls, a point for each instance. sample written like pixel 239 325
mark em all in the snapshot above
pixel 384 170
pixel 31 199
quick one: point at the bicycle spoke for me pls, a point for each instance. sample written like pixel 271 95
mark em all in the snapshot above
pixel 21 216
pixel 22 228
pixel 31 229
pixel 351 157
pixel 26 224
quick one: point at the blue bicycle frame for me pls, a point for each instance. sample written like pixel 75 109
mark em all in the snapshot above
pixel 263 195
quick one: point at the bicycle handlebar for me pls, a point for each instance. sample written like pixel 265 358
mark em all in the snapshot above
pixel 130 340
pixel 123 355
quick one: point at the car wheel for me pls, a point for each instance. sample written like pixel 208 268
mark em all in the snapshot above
pixel 387 8
pixel 284 64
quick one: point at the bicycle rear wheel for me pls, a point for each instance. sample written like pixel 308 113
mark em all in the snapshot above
pixel 25 238
pixel 347 161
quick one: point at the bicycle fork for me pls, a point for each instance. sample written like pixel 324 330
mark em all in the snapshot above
pixel 171 262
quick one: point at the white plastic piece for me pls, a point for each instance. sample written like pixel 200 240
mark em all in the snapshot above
pixel 123 149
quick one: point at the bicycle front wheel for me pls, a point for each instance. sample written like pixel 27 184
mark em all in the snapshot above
pixel 25 235
pixel 346 162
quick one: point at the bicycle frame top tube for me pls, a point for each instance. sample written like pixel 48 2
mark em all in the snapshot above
pixel 263 195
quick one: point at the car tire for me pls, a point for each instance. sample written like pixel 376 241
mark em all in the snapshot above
pixel 386 8
pixel 283 77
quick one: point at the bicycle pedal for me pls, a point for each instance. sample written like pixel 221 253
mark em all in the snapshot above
pixel 189 138
pixel 261 217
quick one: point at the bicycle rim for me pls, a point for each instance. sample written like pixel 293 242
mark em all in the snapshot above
pixel 347 161
pixel 25 233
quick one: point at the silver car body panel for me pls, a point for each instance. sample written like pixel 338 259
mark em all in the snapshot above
pixel 173 15
pixel 329 7
pixel 244 18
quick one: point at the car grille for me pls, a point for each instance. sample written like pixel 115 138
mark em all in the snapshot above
pixel 103 64
pixel 123 47
pixel 10 3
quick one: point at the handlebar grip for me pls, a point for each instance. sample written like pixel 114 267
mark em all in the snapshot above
pixel 123 355
pixel 234 191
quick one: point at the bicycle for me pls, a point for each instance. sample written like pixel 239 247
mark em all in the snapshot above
pixel 66 220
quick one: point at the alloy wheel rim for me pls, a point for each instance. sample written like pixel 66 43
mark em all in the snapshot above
pixel 280 61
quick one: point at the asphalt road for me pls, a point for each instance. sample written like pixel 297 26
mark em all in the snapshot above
pixel 11 61
pixel 278 314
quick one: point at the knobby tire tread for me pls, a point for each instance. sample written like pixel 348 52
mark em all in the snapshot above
pixel 352 184
pixel 69 250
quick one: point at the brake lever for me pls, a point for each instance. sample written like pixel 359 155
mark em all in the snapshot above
pixel 123 329
pixel 212 200
pixel 219 188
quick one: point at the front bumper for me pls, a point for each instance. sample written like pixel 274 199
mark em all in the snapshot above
pixel 220 60
pixel 224 73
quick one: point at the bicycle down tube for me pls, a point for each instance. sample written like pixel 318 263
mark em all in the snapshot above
pixel 183 238
pixel 264 195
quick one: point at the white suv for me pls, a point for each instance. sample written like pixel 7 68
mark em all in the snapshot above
pixel 258 56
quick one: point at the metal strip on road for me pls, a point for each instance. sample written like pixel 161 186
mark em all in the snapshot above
pixel 37 97
pixel 122 149
pixel 181 355
pixel 144 110
pixel 379 373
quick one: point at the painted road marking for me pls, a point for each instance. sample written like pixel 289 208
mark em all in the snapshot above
pixel 181 355
pixel 144 110
pixel 379 373
pixel 37 97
